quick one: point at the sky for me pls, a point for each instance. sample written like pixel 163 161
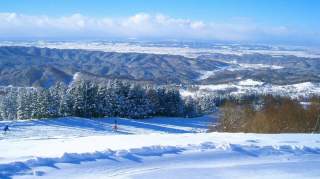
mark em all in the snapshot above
pixel 258 21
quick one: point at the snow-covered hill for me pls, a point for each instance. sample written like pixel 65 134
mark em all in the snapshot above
pixel 250 86
pixel 154 148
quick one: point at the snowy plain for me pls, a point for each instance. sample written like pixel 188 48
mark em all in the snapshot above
pixel 172 48
pixel 151 148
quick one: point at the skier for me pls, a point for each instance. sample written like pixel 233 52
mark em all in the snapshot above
pixel 115 126
pixel 5 129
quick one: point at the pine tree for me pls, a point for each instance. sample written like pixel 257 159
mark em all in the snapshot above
pixel 24 110
pixel 106 103
pixel 66 103
pixel 57 93
pixel 8 105
pixel 120 92
pixel 138 103
pixel 43 102
pixel 173 103
pixel 114 98
pixel 78 99
pixel 190 107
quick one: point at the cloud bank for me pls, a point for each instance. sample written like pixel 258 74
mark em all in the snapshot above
pixel 140 25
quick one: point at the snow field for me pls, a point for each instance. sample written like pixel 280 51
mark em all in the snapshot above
pixel 80 148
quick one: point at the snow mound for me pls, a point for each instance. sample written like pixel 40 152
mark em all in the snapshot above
pixel 138 155
pixel 25 167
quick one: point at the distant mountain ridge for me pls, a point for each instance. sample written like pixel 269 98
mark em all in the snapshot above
pixel 32 66
pixel 43 67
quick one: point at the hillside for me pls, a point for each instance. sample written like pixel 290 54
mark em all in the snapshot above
pixel 33 66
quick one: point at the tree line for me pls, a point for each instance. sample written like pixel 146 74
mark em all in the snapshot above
pixel 114 98
pixel 270 114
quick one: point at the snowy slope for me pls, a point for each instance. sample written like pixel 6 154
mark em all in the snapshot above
pixel 155 148
pixel 81 127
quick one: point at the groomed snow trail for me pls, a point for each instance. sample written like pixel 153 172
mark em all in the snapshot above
pixel 158 149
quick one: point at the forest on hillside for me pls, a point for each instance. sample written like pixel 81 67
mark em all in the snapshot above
pixel 117 98
pixel 114 98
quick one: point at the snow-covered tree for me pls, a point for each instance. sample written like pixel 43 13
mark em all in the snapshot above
pixel 8 105
pixel 191 108
pixel 206 104
pixel 114 98
pixel 24 104
pixel 139 106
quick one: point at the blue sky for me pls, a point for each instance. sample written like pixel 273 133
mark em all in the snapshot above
pixel 263 20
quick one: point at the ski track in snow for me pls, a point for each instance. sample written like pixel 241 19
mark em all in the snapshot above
pixel 153 148
pixel 79 127
pixel 138 155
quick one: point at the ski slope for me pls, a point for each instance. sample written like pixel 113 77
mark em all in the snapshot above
pixel 151 148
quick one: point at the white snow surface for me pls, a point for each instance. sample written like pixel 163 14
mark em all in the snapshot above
pixel 250 86
pixel 149 47
pixel 250 82
pixel 236 66
pixel 259 66
pixel 152 148
pixel 76 76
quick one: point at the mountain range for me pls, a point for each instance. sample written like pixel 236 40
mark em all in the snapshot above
pixel 43 67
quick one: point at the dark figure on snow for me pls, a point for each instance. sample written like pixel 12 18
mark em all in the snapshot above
pixel 115 126
pixel 6 128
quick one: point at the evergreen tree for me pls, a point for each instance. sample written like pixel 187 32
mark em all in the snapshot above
pixel 138 104
pixel 191 107
pixel 24 110
pixel 106 104
pixel 8 105
pixel 88 99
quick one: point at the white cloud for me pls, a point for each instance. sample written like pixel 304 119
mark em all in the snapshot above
pixel 140 25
